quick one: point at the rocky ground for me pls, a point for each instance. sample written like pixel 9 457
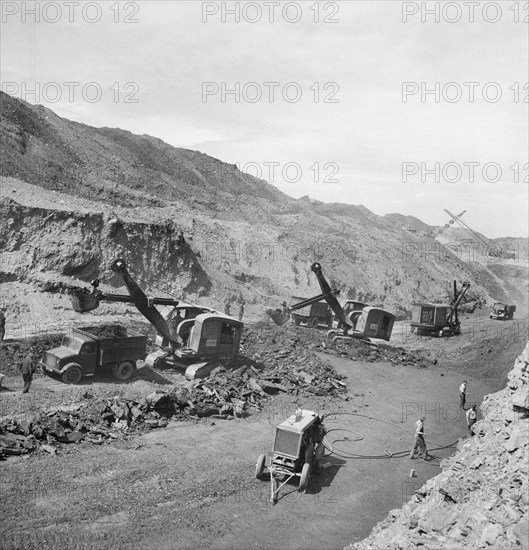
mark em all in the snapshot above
pixel 273 360
pixel 135 465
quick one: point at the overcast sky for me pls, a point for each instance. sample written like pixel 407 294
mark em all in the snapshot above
pixel 347 122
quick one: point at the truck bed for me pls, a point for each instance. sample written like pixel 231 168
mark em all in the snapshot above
pixel 115 344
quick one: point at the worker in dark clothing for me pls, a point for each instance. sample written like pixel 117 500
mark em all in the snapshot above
pixel 180 241
pixel 28 368
pixel 227 306
pixel 2 324
pixel 241 310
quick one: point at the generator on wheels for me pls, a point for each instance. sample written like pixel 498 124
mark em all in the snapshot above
pixel 297 453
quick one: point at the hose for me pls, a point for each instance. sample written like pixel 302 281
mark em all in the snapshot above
pixel 333 449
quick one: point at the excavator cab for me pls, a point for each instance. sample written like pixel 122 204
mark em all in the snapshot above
pixel 213 335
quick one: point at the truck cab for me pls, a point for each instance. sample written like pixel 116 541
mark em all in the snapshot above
pixel 502 311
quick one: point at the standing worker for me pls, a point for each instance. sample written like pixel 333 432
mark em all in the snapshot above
pixel 2 323
pixel 419 443
pixel 463 394
pixel 241 310
pixel 28 368
pixel 472 417
pixel 227 306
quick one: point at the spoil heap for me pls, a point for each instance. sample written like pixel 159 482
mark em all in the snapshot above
pixel 270 362
pixel 481 499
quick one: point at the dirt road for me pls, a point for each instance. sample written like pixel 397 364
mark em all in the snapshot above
pixel 192 485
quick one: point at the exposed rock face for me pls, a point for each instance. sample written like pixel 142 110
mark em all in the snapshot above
pixel 75 197
pixel 84 244
pixel 481 499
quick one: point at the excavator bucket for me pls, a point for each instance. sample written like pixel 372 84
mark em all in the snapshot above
pixel 83 300
pixel 278 316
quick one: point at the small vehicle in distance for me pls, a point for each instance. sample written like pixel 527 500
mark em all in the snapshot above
pixel 502 312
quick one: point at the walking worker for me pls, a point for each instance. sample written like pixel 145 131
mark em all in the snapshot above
pixel 241 310
pixel 28 368
pixel 2 324
pixel 419 443
pixel 472 417
pixel 463 394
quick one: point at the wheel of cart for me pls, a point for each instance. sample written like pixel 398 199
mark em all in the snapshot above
pixel 304 477
pixel 260 466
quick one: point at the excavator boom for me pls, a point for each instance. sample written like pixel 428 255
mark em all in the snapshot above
pixel 458 297
pixel 142 303
pixel 329 295
pixel 84 301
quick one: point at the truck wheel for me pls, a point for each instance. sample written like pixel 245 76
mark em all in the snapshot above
pixel 72 374
pixel 259 467
pixel 123 371
pixel 313 322
pixel 305 473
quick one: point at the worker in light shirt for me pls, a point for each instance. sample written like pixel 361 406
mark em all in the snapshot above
pixel 463 394
pixel 419 443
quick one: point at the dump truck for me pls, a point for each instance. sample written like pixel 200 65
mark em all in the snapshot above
pixel 502 311
pixel 313 314
pixel 190 337
pixel 438 319
pixel 90 350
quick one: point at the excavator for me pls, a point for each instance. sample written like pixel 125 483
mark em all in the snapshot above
pixel 190 337
pixel 439 319
pixel 371 322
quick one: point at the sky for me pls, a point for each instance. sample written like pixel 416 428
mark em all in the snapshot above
pixel 408 107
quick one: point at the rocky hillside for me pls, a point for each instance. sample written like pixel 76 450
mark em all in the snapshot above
pixel 75 197
pixel 481 499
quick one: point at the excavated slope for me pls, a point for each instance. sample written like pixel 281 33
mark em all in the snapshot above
pixel 75 197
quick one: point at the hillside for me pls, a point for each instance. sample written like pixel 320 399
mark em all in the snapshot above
pixel 75 197
pixel 408 221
